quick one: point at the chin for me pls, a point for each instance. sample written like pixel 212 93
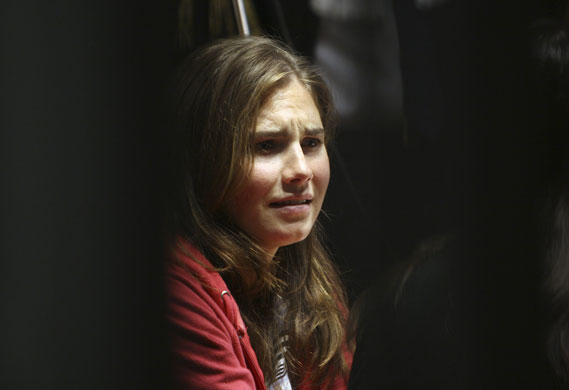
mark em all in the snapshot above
pixel 294 238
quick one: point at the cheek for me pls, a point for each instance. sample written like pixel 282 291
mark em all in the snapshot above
pixel 257 186
pixel 321 170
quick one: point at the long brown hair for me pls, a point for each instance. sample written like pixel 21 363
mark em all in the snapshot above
pixel 220 90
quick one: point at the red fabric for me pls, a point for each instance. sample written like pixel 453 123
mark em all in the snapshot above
pixel 211 349
pixel 209 343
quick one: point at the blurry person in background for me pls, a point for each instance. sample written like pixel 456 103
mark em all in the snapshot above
pixel 357 48
pixel 460 312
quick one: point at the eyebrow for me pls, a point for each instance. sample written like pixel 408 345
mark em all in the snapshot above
pixel 283 132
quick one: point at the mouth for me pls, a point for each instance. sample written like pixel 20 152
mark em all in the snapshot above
pixel 290 202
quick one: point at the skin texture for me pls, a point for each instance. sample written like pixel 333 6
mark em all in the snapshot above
pixel 291 164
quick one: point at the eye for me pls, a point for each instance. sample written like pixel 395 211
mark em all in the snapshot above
pixel 311 143
pixel 265 147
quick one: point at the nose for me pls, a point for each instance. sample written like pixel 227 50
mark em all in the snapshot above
pixel 296 169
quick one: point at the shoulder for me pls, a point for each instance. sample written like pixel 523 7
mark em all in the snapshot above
pixel 188 265
pixel 203 326
pixel 194 291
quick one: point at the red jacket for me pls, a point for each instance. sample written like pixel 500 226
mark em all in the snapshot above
pixel 209 341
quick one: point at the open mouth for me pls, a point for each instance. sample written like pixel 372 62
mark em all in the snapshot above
pixel 293 202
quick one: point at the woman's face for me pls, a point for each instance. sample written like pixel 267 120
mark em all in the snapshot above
pixel 282 196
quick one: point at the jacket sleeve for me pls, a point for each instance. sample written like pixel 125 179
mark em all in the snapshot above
pixel 205 353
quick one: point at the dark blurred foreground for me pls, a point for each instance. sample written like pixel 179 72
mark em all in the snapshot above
pixel 80 250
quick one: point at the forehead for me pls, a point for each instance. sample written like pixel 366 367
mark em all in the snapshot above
pixel 289 106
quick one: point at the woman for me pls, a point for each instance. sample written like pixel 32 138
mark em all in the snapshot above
pixel 253 298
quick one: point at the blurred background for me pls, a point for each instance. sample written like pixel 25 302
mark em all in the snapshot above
pixel 446 127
